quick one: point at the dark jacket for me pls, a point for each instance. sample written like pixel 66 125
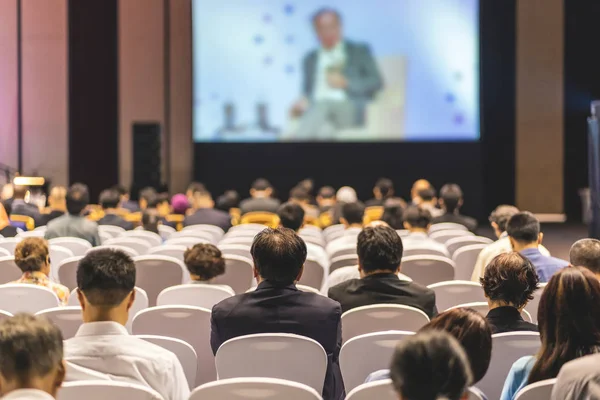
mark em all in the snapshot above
pixel 271 309
pixel 468 222
pixel 384 288
pixel 265 204
pixel 508 319
pixel 115 220
pixel 19 207
pixel 45 218
pixel 209 216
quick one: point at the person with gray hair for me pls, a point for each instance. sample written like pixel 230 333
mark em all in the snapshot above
pixel 586 253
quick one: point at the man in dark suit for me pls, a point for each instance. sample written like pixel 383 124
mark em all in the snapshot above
pixel 20 207
pixel 277 306
pixel 205 213
pixel 379 256
pixel 261 199
pixel 109 200
pixel 451 199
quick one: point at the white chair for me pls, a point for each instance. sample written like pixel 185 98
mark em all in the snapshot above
pixel 313 274
pixel 184 351
pixel 254 388
pixel 483 309
pixel 381 317
pixel 541 390
pixel 215 231
pixel 156 273
pixel 314 240
pixel 506 349
pixel 364 354
pixel 112 230
pixel 4 253
pixel 332 231
pixel 246 240
pixel 378 390
pixel 102 390
pixel 125 249
pixel 427 270
pixel 309 289
pixel 348 249
pixel 140 246
pixel 475 394
pixel 196 234
pixel 9 244
pixel 465 259
pixel 57 255
pixel 186 241
pixel 153 239
pixel 9 272
pixel 446 226
pixel 238 274
pixel 197 295
pixel 445 235
pixel 171 250
pixel 67 319
pixel 422 251
pixel 242 233
pixel 248 227
pixel 236 249
pixel 532 306
pixel 78 246
pixel 340 275
pixel 104 236
pixel 34 233
pixel 66 272
pixel 343 261
pixel 165 231
pixel 450 294
pixel 190 324
pixel 403 232
pixel 20 297
pixel 42 228
pixel 457 243
pixel 273 355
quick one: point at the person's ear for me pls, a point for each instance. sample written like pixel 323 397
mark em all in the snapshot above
pixel 441 202
pixel 540 238
pixel 131 300
pixel 60 375
pixel 495 226
pixel 81 299
pixel 460 203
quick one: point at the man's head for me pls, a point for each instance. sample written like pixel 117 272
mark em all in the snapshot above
pixel 261 188
pixel 194 187
pixel 427 197
pixel 201 198
pixel 523 230
pixel 346 194
pixel 109 199
pixel 417 219
pixel 204 262
pixel 328 25
pixel 326 196
pixel 78 197
pixel 451 197
pixel 31 355
pixel 379 249
pixel 57 200
pixel 353 214
pixel 228 200
pixel 586 253
pixel 299 195
pixel 291 216
pixel 19 192
pixel 384 188
pixel 148 198
pixel 419 185
pixel 105 285
pixel 162 204
pixel 123 192
pixel 279 256
pixel 500 216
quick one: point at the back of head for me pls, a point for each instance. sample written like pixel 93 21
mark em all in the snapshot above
pixel 472 331
pixel 427 194
pixel 523 227
pixel 430 365
pixel 122 190
pixel 393 213
pixel 353 213
pixel 109 198
pixel 417 217
pixel 19 192
pixel 78 197
pixel 260 186
pixel 299 194
pixel 58 196
pixel 452 196
pixel 586 253
pixel 502 214
pixel 7 192
pixel 180 204
pixel 150 220
pixel 510 279
pixel 379 248
pixel 148 198
pixel 31 254
pixel 308 185
pixel 327 193
pixel 291 216
pixel 31 354
pixel 194 187
pixel 346 194
pixel 106 277
pixel 228 200
pixel 278 255
pixel 419 185
pixel 204 261
pixel 385 187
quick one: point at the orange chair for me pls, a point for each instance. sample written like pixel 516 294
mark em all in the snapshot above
pixel 373 214
pixel 22 221
pixel 135 218
pixel 236 216
pixel 325 219
pixel 177 219
pixel 265 218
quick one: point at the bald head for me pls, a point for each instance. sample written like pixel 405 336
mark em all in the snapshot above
pixel 586 253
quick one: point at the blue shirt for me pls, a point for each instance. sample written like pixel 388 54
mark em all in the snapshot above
pixel 517 377
pixel 545 266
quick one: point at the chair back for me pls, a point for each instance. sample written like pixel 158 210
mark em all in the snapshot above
pixel 242 250
pixel 140 246
pixel 541 390
pixel 156 273
pixel 9 244
pixel 67 319
pixel 197 295
pixel 165 231
pixel 273 355
pixel 19 297
pixel 102 390
pixel 216 232
pixel 422 251
pixel 349 260
pixel 9 272
pixel 373 213
pixel 380 390
pixel 319 241
pixel 239 274
pixel 247 227
pixel 237 239
pixel 190 324
pixel 532 306
pixel 403 232
pixel 333 231
pixel 258 217
pixel 457 243
pixel 125 249
pixel 506 349
pixel 381 317
pixel 364 354
pixel 66 271
pixel 77 245
pixel 427 270
pixel 104 236
pixel 313 274
pixel 153 239
pixel 195 233
pixel 253 388
pixel 464 260
pixel 453 293
pixel 22 221
pixel 341 275
pixel 112 230
pixel 347 249
pixel 447 226
pixel 33 233
pixel 483 309
pixel 171 250
pixel 4 253
pixel 186 241
pixel 57 255
pixel 445 235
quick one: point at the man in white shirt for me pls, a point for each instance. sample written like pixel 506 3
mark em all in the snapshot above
pixel 31 358
pixel 352 218
pixel 417 221
pixel 102 345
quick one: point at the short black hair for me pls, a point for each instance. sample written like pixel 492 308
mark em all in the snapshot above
pixel 379 247
pixel 427 194
pixel 228 200
pixel 78 197
pixel 353 213
pixel 261 184
pixel 327 192
pixel 586 253
pixel 291 216
pixel 150 195
pixel 196 187
pixel 326 10
pixel 122 190
pixel 278 255
pixel 204 260
pixel 502 214
pixel 523 227
pixel 150 220
pixel 417 217
pixel 510 278
pixel 452 194
pixel 162 198
pixel 393 213
pixel 385 186
pixel 430 365
pixel 299 193
pixel 109 198
pixel 106 277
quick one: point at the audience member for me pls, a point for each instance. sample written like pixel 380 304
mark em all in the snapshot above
pixel 74 224
pixel 326 199
pixel 109 201
pixel 393 214
pixel 57 205
pixel 451 200
pixel 20 207
pixel 180 204
pixel 148 198
pixel 352 218
pixel 163 207
pixel 379 257
pixel 204 263
pixel 277 306
pixel 586 253
pixel 151 220
pixel 427 199
pixel 509 282
pixel 417 221
pixel 300 196
pixel 7 193
pixel 417 187
pixel 205 213
pixel 228 200
pixel 6 230
pixel 569 328
pixel 525 237
pixel 431 365
pixel 260 199
pixel 344 195
pixel 33 259
pixel 102 345
pixel 194 187
pixel 31 354
pixel 125 202
pixel 383 190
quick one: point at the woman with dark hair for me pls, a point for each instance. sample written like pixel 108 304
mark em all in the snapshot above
pixel 569 328
pixel 393 213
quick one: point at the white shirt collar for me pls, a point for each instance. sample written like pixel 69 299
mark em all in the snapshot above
pixel 28 394
pixel 103 328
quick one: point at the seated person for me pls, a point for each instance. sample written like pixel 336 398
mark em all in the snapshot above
pixel 162 205
pixel 125 202
pixel 417 221
pixel 31 354
pixel 451 201
pixel 20 207
pixel 277 306
pixel 379 257
pixel 204 263
pixel 344 195
pixel 586 253
pixel 417 187
pixel 353 215
pixel 151 220
pixel 300 196
pixel 180 204
pixel 194 187
pixel 326 199
pixel 6 195
pixel 57 204
pixel 393 214
pixel 525 237
pixel 102 345
pixel 109 201
pixel 509 282
pixel 33 259
pixel 261 198
pixel 6 229
pixel 228 200
pixel 383 192
pixel 74 224
pixel 427 199
pixel 148 198
pixel 205 213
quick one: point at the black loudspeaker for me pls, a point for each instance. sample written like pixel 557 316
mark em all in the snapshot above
pixel 146 154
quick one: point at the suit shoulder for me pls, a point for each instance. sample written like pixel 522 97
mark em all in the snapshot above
pixel 224 307
pixel 359 46
pixel 419 289
pixel 322 303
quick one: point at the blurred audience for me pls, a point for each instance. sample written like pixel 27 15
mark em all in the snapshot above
pixel 417 221
pixel 180 204
pixel 586 253
pixel 163 207
pixel 57 205
pixel 260 199
pixel 383 190
pixel 326 199
pixel 205 213
pixel 427 200
pixel 6 230
pixel 228 200
pixel 393 214
pixel 151 220
pixel 300 196
pixel 451 200
pixel 418 186
pixel 109 201
pixel 148 198
pixel 20 207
